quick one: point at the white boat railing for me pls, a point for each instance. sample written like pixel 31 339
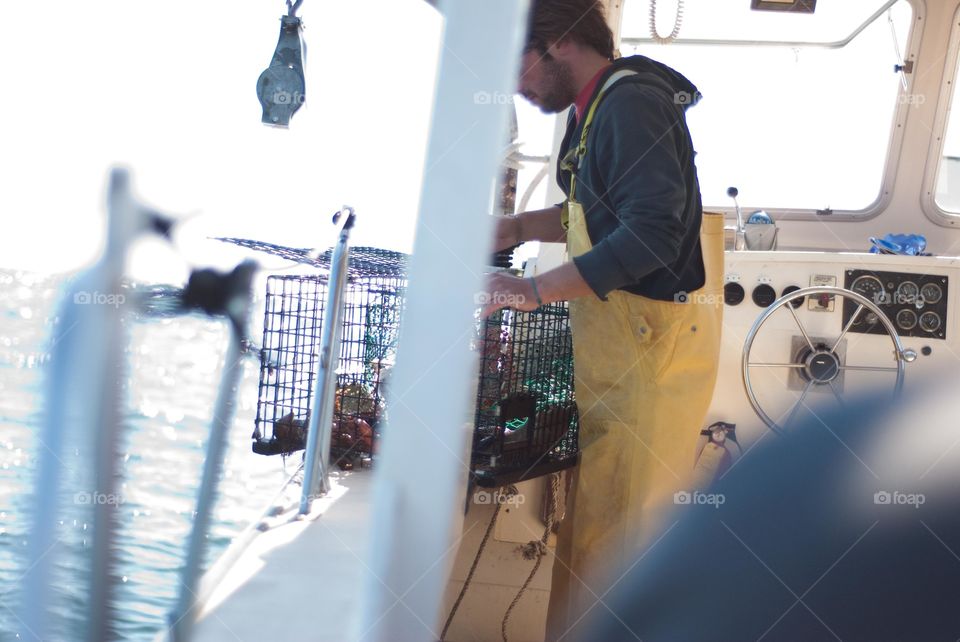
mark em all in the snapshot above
pixel 317 456
pixel 237 308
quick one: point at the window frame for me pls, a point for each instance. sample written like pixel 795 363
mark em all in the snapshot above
pixel 634 41
pixel 895 136
pixel 931 175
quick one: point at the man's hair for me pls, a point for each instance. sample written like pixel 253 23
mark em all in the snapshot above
pixel 581 20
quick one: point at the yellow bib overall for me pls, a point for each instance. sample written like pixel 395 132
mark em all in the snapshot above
pixel 644 376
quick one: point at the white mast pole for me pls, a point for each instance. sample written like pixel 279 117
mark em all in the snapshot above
pixel 421 479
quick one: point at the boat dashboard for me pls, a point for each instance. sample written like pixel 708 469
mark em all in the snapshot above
pixel 915 302
pixel 913 307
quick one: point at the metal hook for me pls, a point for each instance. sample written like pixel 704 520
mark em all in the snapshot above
pixel 351 216
pixel 292 7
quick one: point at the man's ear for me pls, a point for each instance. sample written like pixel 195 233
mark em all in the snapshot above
pixel 562 48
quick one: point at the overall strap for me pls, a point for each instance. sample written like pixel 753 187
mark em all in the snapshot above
pixel 571 161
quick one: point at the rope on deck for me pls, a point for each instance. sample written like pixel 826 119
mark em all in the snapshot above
pixel 512 490
pixel 536 548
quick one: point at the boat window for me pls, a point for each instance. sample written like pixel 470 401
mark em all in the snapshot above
pixel 802 127
pixel 947 195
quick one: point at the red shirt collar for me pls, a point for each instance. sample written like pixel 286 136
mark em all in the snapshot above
pixel 580 104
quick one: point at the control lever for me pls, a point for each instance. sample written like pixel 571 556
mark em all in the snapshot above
pixel 740 241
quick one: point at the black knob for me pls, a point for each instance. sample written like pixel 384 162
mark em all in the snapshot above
pixel 733 192
pixel 733 293
pixel 763 295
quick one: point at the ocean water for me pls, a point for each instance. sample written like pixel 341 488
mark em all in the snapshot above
pixel 173 369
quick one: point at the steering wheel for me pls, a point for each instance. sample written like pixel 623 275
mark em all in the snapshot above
pixel 818 363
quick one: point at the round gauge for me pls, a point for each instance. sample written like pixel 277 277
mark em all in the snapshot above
pixel 796 303
pixel 930 321
pixel 870 287
pixel 906 319
pixel 931 293
pixel 907 292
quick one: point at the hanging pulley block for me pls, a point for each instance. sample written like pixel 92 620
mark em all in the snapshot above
pixel 281 85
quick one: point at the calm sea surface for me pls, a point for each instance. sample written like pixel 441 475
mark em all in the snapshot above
pixel 173 368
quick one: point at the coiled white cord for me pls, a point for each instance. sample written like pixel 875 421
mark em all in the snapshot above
pixel 677 23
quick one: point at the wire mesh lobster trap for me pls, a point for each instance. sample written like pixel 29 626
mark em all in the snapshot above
pixel 293 315
pixel 526 418
pixel 526 421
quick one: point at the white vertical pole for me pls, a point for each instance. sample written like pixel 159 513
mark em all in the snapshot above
pixel 82 410
pixel 421 477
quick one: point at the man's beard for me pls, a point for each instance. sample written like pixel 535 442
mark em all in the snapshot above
pixel 559 92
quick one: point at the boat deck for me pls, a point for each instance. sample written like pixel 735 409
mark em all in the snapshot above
pixel 248 594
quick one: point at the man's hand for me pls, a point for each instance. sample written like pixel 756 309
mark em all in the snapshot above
pixel 505 291
pixel 560 284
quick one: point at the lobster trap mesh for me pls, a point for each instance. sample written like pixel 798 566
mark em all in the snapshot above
pixel 525 421
pixel 293 318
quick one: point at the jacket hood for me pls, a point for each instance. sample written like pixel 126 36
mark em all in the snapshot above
pixel 682 91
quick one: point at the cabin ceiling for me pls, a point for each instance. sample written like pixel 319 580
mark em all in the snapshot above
pixel 833 22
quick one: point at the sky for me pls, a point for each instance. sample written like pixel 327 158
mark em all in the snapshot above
pixel 168 89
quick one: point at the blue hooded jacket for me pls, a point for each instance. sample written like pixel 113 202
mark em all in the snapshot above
pixel 638 185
